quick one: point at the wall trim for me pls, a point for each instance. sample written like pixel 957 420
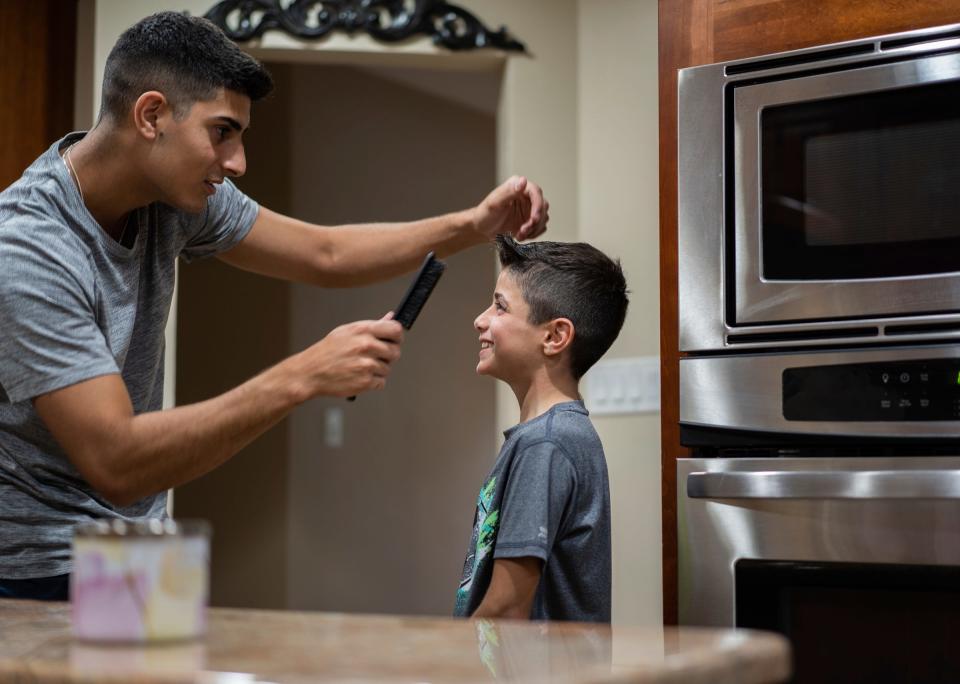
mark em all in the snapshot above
pixel 388 21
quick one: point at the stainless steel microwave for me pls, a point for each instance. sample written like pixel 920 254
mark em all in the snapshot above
pixel 819 196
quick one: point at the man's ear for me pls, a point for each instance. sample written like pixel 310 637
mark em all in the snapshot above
pixel 558 334
pixel 149 114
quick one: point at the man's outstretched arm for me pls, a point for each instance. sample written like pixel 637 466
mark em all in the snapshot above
pixel 345 256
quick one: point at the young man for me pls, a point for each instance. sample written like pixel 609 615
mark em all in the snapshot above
pixel 541 540
pixel 89 237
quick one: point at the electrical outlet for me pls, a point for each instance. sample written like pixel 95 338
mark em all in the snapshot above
pixel 623 386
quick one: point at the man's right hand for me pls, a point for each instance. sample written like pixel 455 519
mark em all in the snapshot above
pixel 353 358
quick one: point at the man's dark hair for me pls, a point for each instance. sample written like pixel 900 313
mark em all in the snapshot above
pixel 186 58
pixel 571 280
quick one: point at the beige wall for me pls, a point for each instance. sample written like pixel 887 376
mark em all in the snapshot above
pixel 618 212
pixel 579 116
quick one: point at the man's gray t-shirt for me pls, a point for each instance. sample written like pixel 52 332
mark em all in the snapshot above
pixel 74 305
pixel 547 497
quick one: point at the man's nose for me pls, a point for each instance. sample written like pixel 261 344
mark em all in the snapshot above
pixel 236 164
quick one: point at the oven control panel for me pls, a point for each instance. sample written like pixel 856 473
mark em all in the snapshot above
pixel 895 391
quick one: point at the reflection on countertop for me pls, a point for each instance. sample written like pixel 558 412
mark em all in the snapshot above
pixel 287 646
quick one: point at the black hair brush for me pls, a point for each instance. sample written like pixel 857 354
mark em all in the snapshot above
pixel 418 293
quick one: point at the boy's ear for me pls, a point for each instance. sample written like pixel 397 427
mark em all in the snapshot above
pixel 149 112
pixel 558 335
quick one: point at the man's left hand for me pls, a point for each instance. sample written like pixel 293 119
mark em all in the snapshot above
pixel 516 208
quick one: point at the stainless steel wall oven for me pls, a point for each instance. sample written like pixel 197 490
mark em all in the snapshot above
pixel 855 560
pixel 819 250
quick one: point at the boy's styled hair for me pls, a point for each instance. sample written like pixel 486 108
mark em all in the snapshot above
pixel 570 280
pixel 186 58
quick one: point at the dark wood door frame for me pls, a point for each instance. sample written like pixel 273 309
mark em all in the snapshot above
pixel 38 45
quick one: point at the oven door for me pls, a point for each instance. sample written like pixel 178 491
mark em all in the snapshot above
pixel 845 193
pixel 856 561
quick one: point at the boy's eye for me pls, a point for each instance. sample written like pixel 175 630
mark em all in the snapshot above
pixel 222 132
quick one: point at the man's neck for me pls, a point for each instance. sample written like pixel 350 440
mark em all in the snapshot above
pixel 544 390
pixel 101 164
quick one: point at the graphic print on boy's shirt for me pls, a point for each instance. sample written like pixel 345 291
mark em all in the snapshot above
pixel 483 539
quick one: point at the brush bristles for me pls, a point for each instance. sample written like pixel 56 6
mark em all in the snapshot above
pixel 419 292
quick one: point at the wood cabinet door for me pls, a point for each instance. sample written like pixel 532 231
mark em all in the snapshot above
pixel 37 64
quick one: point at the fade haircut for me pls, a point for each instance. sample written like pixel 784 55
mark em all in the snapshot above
pixel 186 58
pixel 570 280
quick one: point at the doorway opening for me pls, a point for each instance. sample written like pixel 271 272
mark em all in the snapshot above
pixel 362 506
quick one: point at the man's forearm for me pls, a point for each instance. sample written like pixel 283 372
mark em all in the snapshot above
pixel 127 457
pixel 365 253
pixel 345 256
pixel 155 451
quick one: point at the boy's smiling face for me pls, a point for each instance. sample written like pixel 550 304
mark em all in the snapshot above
pixel 510 346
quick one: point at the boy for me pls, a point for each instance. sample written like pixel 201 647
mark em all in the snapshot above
pixel 541 541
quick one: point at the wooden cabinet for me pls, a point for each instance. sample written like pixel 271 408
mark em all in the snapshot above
pixel 694 32
pixel 37 59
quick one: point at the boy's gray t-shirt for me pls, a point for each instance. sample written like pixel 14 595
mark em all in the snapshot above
pixel 548 497
pixel 74 305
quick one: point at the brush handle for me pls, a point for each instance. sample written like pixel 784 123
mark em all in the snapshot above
pixel 417 294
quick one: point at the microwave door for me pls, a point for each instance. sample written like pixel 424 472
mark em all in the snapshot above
pixel 844 194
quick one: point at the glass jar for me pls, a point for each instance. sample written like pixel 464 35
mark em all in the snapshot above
pixel 140 581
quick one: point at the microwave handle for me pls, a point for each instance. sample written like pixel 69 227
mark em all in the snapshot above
pixel 825 484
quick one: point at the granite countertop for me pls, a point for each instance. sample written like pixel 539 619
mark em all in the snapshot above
pixel 287 646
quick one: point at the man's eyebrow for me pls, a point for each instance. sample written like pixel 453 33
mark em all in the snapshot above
pixel 230 121
pixel 498 298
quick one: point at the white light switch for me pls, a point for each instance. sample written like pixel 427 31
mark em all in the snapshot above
pixel 333 427
pixel 622 386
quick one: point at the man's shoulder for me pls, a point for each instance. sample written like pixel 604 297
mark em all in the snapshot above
pixel 38 232
pixel 37 196
pixel 34 214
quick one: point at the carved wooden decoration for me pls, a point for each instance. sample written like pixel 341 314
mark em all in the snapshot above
pixel 389 21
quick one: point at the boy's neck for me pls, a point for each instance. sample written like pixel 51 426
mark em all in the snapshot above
pixel 543 391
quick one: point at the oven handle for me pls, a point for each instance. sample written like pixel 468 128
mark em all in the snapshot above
pixel 825 484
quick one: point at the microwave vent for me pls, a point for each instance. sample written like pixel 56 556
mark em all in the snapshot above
pixel 802 335
pixel 706 441
pixel 922 328
pixel 894 43
pixel 794 60
pixel 824 452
